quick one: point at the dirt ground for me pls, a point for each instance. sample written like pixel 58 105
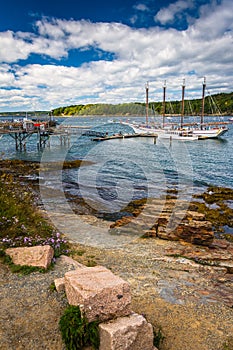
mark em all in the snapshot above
pixel 190 303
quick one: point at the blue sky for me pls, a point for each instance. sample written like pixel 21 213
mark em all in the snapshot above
pixel 76 52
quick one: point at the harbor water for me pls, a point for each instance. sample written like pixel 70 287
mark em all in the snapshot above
pixel 121 170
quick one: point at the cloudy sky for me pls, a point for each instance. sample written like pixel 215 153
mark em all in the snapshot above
pixel 58 53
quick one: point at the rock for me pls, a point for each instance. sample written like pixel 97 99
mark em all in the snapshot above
pixel 220 243
pixel 39 256
pixel 194 215
pixel 163 233
pixel 196 232
pixel 60 284
pixel 99 293
pixel 66 260
pixel 171 220
pixel 126 333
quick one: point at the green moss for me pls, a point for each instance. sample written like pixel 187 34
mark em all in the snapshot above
pixel 21 223
pixel 76 331
pixel 216 194
pixel 80 252
pixel 52 287
pixel 135 206
pixel 228 344
pixel 215 207
pixel 228 237
pixel 158 337
pixel 91 263
pixel 18 214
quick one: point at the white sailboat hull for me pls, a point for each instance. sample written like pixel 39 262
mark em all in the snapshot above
pixel 164 133
pixel 176 135
pixel 210 133
pixel 186 135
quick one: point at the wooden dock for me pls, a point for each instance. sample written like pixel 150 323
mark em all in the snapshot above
pixel 122 136
pixel 22 131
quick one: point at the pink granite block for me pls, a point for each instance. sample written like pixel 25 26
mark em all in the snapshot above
pixel 126 333
pixel 100 294
pixel 40 256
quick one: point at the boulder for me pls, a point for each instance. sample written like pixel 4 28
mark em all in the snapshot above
pixel 132 332
pixel 39 256
pixel 99 293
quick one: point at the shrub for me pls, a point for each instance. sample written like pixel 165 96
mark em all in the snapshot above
pixel 158 337
pixel 76 331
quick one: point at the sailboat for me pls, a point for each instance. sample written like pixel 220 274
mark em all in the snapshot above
pixel 209 130
pixel 187 131
pixel 164 132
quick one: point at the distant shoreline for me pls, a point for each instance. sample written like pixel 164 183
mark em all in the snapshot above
pixel 111 116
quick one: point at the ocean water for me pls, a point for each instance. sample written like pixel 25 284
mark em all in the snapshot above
pixel 126 169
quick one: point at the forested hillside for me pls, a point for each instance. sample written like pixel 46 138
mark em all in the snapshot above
pixel 214 104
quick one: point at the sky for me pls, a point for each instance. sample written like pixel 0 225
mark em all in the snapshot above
pixel 67 52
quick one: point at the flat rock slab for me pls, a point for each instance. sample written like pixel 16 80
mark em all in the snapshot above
pixel 39 256
pixel 100 294
pixel 126 333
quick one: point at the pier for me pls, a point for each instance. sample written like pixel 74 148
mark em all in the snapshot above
pixel 22 131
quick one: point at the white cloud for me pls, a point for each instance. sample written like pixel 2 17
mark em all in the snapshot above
pixel 141 55
pixel 168 14
pixel 141 7
pixel 215 21
pixel 13 47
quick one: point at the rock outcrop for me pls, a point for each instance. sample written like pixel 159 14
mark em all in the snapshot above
pixel 174 221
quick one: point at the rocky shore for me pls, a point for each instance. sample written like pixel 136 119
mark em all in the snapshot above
pixel 181 281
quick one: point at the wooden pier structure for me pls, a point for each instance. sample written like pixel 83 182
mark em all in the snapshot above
pixel 22 132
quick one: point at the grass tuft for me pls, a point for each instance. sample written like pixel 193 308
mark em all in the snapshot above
pixel 76 331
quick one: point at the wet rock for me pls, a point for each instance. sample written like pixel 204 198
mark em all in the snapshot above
pixel 196 232
pixel 170 220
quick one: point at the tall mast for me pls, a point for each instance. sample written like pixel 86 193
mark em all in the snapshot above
pixel 147 101
pixel 164 102
pixel 182 107
pixel 203 102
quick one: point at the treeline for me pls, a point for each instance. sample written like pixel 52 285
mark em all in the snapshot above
pixel 102 109
pixel 25 114
pixel 214 104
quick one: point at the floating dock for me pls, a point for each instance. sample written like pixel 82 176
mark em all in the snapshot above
pixel 126 136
